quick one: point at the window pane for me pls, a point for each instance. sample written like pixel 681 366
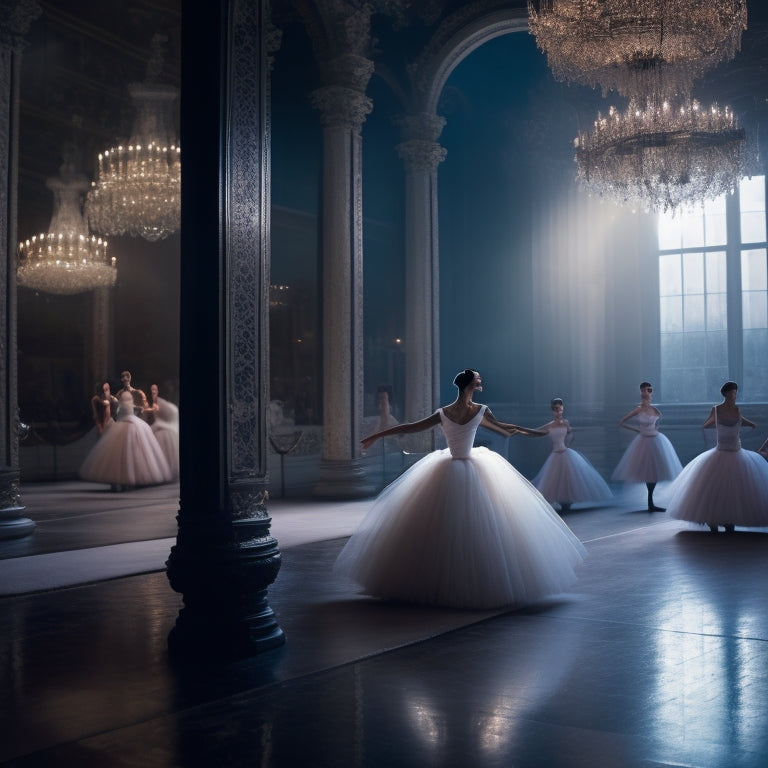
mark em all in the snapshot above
pixel 671 315
pixel 752 201
pixel 754 309
pixel 692 223
pixel 670 278
pixel 693 273
pixel 693 314
pixel 716 272
pixel 755 388
pixel 754 270
pixel 715 231
pixel 717 312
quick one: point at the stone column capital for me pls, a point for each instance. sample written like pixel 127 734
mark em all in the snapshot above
pixel 422 156
pixel 422 126
pixel 341 106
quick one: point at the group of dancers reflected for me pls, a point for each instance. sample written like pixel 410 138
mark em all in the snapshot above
pixel 462 528
pixel 138 442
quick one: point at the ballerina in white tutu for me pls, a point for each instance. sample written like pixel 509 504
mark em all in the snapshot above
pixel 650 458
pixel 726 485
pixel 127 454
pixel 163 417
pixel 567 477
pixel 461 528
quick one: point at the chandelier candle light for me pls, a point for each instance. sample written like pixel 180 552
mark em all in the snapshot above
pixel 638 48
pixel 67 259
pixel 662 157
pixel 138 188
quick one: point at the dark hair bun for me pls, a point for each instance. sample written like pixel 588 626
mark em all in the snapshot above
pixel 464 378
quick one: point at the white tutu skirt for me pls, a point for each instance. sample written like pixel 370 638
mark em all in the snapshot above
pixel 462 533
pixel 126 454
pixel 169 443
pixel 648 459
pixel 569 478
pixel 722 488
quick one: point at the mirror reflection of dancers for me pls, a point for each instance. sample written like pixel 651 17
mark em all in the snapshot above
pixel 650 457
pixel 164 421
pixel 102 404
pixel 726 485
pixel 127 454
pixel 462 527
pixel 139 398
pixel 567 477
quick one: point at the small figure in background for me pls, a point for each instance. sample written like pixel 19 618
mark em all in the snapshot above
pixel 567 477
pixel 164 422
pixel 650 458
pixel 103 403
pixel 139 398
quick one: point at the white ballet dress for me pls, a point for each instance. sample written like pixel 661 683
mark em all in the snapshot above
pixel 567 477
pixel 127 453
pixel 650 457
pixel 166 429
pixel 462 528
pixel 726 485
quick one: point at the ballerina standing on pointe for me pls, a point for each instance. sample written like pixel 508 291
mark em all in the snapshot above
pixel 650 457
pixel 462 527
pixel 726 485
pixel 567 477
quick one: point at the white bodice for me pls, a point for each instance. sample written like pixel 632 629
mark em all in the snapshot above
pixel 646 424
pixel 558 434
pixel 460 437
pixel 728 436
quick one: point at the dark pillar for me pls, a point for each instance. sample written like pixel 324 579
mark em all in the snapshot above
pixel 224 558
pixel 15 18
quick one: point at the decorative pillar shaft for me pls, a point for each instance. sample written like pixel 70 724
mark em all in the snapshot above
pixel 224 558
pixel 421 154
pixel 343 111
pixel 101 325
pixel 15 18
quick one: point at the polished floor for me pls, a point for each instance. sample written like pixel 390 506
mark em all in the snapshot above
pixel 657 657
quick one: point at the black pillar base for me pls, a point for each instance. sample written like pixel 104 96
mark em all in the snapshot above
pixel 224 584
pixel 344 480
pixel 13 525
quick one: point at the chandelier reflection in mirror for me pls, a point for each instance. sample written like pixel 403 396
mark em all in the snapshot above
pixel 137 191
pixel 66 259
pixel 662 157
pixel 638 48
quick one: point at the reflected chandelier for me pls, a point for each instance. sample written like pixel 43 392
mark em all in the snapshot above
pixel 67 259
pixel 638 48
pixel 662 157
pixel 137 191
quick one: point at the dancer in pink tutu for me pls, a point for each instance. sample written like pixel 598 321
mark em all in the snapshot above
pixel 127 454
pixel 650 457
pixel 461 528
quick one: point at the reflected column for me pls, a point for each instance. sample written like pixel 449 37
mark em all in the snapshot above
pixel 343 106
pixel 224 558
pixel 15 18
pixel 421 154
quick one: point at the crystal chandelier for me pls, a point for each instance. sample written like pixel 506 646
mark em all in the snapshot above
pixel 66 259
pixel 662 157
pixel 637 47
pixel 137 191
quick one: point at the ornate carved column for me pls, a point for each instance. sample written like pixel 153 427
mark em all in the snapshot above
pixel 15 18
pixel 343 106
pixel 421 153
pixel 224 558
